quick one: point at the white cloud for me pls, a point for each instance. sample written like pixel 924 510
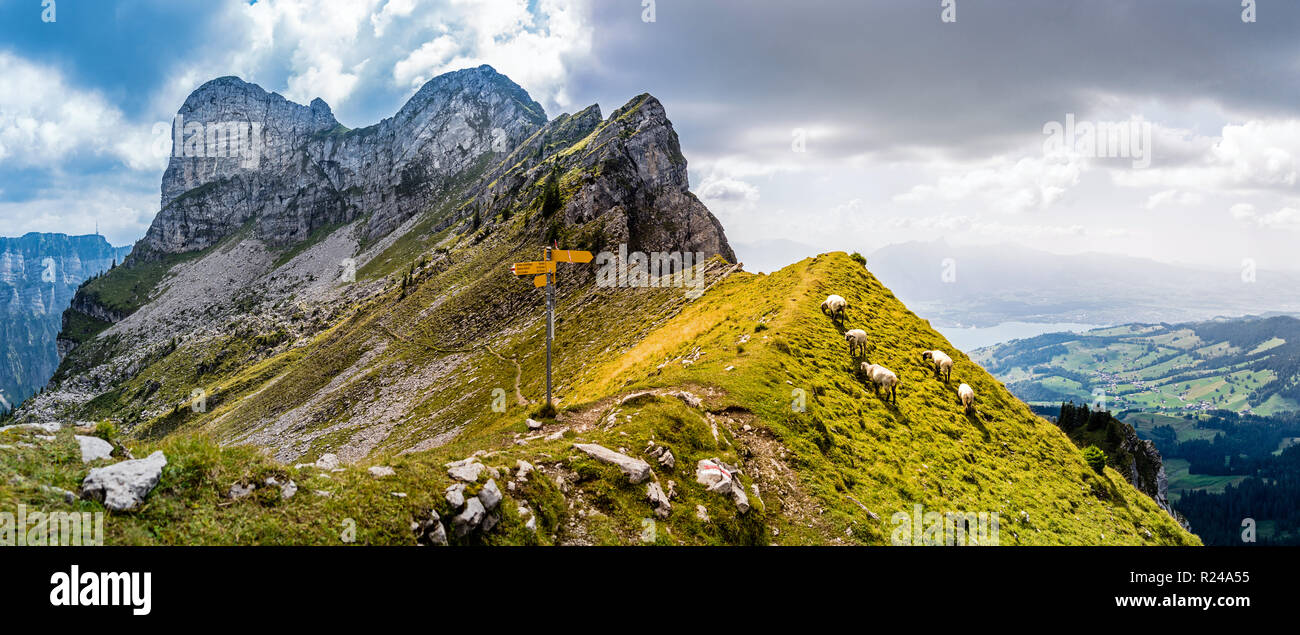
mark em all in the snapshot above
pixel 44 121
pixel 727 190
pixel 979 226
pixel 534 51
pixel 1242 211
pixel 1003 184
pixel 327 81
pixel 1287 218
pixel 413 70
pixel 1173 197
pixel 1256 155
pixel 319 36
pixel 392 9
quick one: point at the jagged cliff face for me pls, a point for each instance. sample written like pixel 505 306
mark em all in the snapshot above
pixel 635 145
pixel 1137 459
pixel 1146 471
pixel 39 274
pixel 296 169
pixel 262 252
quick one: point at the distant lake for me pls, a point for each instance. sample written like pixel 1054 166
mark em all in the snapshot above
pixel 969 338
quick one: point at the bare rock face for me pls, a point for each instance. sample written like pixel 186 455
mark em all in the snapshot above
pixel 635 182
pixel 639 145
pixel 245 156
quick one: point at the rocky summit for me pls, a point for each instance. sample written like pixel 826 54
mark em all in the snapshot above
pixel 329 328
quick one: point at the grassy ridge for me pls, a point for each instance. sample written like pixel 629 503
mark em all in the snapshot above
pixel 849 443
pixel 815 471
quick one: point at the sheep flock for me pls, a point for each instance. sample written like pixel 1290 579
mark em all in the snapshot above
pixel 882 378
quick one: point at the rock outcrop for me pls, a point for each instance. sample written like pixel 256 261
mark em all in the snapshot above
pixel 635 469
pixel 1137 459
pixel 633 180
pixel 123 486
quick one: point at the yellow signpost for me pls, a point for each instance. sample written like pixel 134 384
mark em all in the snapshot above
pixel 532 268
pixel 546 267
pixel 568 255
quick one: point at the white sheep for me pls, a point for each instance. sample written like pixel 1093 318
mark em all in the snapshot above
pixel 942 364
pixel 834 306
pixel 881 377
pixel 967 395
pixel 857 339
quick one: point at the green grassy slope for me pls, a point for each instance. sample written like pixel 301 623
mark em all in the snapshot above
pixel 834 473
pixel 849 443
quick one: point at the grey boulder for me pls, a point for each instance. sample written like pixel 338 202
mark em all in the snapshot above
pixel 94 448
pixel 637 471
pixel 125 485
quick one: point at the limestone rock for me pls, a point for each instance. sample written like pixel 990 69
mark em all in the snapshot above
pixel 659 499
pixel 469 519
pixel 490 495
pixel 662 455
pixel 467 470
pixel 637 471
pixel 94 448
pixel 720 478
pixel 524 468
pixel 455 495
pixel 125 485
pixel 239 490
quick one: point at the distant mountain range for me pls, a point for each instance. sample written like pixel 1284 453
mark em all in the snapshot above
pixel 39 273
pixel 987 285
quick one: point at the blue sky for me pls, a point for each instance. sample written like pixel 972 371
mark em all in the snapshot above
pixel 836 125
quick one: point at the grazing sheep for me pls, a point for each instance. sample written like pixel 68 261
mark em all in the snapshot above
pixel 942 364
pixel 834 306
pixel 967 395
pixel 857 339
pixel 881 377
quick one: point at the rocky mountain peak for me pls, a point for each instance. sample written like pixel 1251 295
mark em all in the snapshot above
pixel 470 86
pixel 228 126
pixel 244 155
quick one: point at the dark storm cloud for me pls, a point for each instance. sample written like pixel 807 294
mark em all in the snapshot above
pixel 889 75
